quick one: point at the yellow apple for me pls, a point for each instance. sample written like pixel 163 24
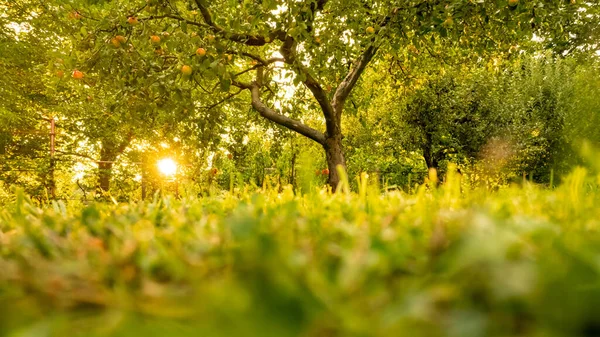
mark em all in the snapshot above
pixel 186 70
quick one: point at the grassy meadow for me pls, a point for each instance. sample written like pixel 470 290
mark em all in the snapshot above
pixel 447 261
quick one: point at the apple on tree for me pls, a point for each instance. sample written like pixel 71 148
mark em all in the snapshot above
pixel 115 42
pixel 77 74
pixel 118 40
pixel 75 15
pixel 186 70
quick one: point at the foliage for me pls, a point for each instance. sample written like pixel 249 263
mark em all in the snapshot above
pixel 23 104
pixel 514 116
pixel 110 72
pixel 311 53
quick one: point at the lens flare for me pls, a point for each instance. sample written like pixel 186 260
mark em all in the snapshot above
pixel 167 166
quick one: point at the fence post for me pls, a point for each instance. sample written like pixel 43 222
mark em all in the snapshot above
pixel 144 178
pixel 52 159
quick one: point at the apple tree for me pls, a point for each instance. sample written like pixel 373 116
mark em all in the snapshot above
pixel 290 60
pixel 25 104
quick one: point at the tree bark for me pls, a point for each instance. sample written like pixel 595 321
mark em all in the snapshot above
pixel 335 157
pixel 108 155
pixel 104 175
pixel 428 154
pixel 430 159
pixel 105 165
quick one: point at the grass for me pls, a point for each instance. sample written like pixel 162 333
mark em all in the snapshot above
pixel 522 261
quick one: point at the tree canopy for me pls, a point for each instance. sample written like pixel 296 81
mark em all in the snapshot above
pixel 122 76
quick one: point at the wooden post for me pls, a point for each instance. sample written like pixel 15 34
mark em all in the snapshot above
pixel 52 137
pixel 52 159
pixel 144 178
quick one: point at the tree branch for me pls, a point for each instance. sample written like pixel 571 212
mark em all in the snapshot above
pixel 315 6
pixel 174 17
pixel 247 39
pixel 76 155
pixel 125 142
pixel 289 54
pixel 283 120
pixel 258 58
pixel 344 89
pixel 260 62
pixel 241 85
pixel 230 96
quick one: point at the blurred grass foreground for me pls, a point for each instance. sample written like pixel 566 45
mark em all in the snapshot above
pixel 520 261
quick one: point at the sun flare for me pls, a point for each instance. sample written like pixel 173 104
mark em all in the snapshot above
pixel 167 166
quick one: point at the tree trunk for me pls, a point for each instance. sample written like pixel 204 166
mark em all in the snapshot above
pixel 335 157
pixel 109 152
pixel 104 174
pixel 430 158
pixel 105 165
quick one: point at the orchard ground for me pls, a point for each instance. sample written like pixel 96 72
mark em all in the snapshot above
pixel 446 261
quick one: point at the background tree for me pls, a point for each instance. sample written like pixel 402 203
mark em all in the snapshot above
pixel 25 104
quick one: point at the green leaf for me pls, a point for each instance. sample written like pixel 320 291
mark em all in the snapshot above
pixel 225 84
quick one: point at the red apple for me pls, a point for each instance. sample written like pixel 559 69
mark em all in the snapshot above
pixel 115 42
pixel 77 74
pixel 75 15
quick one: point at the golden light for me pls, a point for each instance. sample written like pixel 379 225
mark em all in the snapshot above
pixel 167 167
